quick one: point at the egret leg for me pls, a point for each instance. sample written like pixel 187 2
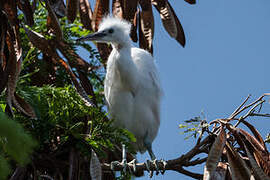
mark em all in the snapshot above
pixel 154 160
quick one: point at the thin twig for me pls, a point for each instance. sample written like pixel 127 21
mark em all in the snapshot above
pixel 241 105
pixel 195 162
pixel 247 106
pixel 257 114
pixel 249 112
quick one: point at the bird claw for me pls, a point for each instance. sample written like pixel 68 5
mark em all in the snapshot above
pixel 113 164
pixel 164 166
pixel 133 164
pixel 158 168
pixel 148 164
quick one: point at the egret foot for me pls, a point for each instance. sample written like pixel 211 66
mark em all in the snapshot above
pixel 164 166
pixel 147 164
pixel 158 168
pixel 123 163
pixel 133 164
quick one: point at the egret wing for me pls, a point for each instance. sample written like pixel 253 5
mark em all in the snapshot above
pixel 147 69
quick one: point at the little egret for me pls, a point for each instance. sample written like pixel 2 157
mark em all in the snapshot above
pixel 132 85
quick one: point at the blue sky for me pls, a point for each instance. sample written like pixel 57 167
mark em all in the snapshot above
pixel 227 57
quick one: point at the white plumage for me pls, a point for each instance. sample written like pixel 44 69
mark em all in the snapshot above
pixel 132 85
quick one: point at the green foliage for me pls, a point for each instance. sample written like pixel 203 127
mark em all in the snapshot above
pixel 194 126
pixel 267 140
pixel 60 112
pixel 15 144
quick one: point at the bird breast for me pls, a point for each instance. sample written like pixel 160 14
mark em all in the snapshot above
pixel 133 96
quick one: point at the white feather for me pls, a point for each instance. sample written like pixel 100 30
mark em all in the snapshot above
pixel 132 87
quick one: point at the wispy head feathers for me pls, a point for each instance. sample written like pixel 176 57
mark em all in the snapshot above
pixel 113 22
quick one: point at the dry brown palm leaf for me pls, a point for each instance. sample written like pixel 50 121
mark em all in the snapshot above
pixel 259 173
pixel 73 58
pixel 260 152
pixel 262 160
pixel 39 42
pixel 77 85
pixel 215 154
pixel 74 165
pixel 191 1
pixel 59 8
pixel 167 16
pixel 117 9
pixel 255 143
pixel 86 14
pixel 130 9
pixel 3 52
pixel 104 51
pixel 170 21
pixel 14 64
pixel 238 167
pixel 95 167
pixel 72 7
pixel 53 22
pixel 10 9
pixel 255 132
pixel 26 8
pixel 12 70
pixel 87 86
pixel 221 171
pixel 130 14
pixel 146 26
pixel 101 9
pixel 23 106
pixel 133 31
pixel 180 31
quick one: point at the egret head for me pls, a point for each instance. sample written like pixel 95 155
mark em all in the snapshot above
pixel 112 30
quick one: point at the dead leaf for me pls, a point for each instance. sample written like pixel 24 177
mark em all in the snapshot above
pixel 59 8
pixel 26 8
pixel 86 14
pixel 101 9
pixel 191 1
pixel 130 14
pixel 74 165
pixel 146 26
pixel 214 155
pixel 180 31
pixel 238 167
pixel 259 173
pixel 23 106
pixel 73 58
pixel 252 140
pixel 255 132
pixel 87 101
pixel 39 41
pixel 167 16
pixel 87 86
pixel 53 21
pixel 72 7
pixel 95 167
pixel 14 64
pixel 117 9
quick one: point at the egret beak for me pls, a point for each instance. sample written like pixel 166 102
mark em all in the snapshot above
pixel 92 37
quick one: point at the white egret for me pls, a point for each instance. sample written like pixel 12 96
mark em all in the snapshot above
pixel 132 85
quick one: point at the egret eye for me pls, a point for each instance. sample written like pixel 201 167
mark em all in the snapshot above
pixel 110 31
